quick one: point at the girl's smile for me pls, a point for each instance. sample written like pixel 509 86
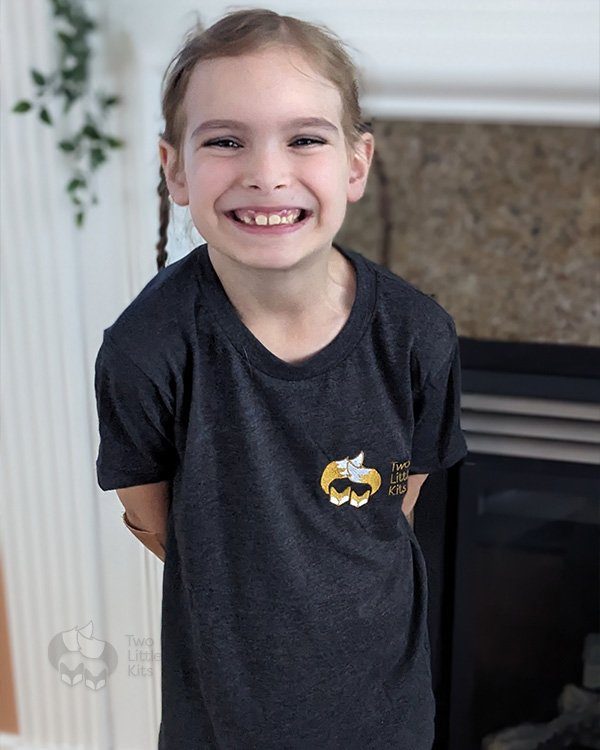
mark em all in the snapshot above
pixel 271 222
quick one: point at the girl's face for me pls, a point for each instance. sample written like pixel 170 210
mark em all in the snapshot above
pixel 264 159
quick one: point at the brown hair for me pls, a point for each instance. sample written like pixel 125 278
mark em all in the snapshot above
pixel 241 32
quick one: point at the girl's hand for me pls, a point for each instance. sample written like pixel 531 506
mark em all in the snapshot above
pixel 415 482
pixel 150 539
pixel 146 511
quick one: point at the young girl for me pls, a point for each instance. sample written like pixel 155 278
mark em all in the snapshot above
pixel 269 406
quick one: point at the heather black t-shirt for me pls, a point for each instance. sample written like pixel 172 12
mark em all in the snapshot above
pixel 294 593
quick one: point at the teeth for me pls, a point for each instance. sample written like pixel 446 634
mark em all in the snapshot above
pixel 250 217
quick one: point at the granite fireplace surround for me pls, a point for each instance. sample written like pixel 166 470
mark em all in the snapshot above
pixel 499 222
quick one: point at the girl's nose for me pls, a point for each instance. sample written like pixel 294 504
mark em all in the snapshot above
pixel 266 170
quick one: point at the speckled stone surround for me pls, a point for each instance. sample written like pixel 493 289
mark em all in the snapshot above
pixel 500 222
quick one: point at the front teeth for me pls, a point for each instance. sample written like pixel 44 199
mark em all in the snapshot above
pixel 263 220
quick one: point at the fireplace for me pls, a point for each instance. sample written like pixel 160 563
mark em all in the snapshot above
pixel 514 574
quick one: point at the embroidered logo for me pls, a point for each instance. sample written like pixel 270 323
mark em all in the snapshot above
pixel 348 480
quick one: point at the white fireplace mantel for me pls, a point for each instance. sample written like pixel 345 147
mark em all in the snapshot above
pixel 519 61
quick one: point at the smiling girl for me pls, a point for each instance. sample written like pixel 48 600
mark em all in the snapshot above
pixel 269 407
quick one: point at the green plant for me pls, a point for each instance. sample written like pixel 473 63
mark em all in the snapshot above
pixel 87 147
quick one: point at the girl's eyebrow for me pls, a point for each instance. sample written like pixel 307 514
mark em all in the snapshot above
pixel 299 122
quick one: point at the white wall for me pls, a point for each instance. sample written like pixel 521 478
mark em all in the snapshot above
pixel 67 557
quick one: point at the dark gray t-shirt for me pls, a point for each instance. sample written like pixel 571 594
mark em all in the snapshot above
pixel 294 610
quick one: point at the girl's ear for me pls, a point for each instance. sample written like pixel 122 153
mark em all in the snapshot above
pixel 359 163
pixel 176 181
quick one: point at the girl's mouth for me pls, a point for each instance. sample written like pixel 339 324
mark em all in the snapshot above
pixel 267 229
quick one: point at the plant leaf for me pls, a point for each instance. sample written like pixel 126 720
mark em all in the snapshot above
pixel 110 101
pixel 75 183
pixel 38 77
pixel 66 39
pixel 96 157
pixel 91 132
pixel 45 116
pixel 22 106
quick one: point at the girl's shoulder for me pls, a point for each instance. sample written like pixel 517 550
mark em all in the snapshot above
pixel 157 323
pixel 418 312
pixel 409 319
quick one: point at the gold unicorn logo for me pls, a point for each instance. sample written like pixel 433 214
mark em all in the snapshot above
pixel 342 480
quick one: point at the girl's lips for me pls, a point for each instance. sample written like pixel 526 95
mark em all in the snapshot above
pixel 274 229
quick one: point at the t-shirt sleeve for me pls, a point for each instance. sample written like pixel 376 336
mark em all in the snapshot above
pixel 438 441
pixel 135 420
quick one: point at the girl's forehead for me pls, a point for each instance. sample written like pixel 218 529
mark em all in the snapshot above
pixel 269 69
pixel 272 80
pixel 274 57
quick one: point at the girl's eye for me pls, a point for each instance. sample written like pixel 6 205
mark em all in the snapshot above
pixel 314 140
pixel 220 141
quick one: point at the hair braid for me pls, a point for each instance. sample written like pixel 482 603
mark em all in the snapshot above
pixel 164 214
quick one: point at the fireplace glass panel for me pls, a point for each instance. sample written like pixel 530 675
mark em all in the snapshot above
pixel 527 592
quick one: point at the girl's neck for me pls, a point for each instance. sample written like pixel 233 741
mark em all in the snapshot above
pixel 316 293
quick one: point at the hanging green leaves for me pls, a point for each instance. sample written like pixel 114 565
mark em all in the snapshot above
pixel 87 148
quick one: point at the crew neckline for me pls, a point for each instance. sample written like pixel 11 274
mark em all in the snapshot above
pixel 256 353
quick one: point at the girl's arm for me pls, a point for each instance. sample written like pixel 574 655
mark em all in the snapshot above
pixel 415 481
pixel 146 509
